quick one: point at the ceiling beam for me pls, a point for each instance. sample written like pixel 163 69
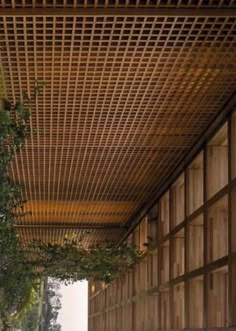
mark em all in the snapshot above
pixel 68 226
pixel 160 12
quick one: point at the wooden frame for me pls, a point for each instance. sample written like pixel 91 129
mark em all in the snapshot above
pixel 207 285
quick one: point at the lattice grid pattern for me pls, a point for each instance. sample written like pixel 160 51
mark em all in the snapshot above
pixel 126 98
pixel 118 3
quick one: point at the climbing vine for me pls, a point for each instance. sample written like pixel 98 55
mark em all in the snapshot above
pixel 21 266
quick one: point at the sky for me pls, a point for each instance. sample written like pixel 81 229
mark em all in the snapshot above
pixel 73 316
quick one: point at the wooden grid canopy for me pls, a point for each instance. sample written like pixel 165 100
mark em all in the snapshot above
pixel 126 99
pixel 117 3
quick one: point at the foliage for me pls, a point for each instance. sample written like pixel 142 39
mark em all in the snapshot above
pixel 22 266
pixel 31 320
pixel 28 318
pixel 14 130
pixel 72 262
pixel 30 300
pixel 16 278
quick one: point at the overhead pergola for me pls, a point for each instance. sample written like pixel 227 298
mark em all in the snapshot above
pixel 131 86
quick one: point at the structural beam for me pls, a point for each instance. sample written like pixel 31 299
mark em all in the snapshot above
pixel 68 226
pixel 160 12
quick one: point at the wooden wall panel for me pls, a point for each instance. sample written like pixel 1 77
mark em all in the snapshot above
pixel 196 302
pixel 218 298
pixel 217 225
pixel 178 306
pixel 195 185
pixel 165 310
pixel 165 214
pixel 164 262
pixel 195 242
pixel 178 250
pixel 178 202
pixel 159 293
pixel 217 159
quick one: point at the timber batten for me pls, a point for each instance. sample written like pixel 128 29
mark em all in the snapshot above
pixel 126 99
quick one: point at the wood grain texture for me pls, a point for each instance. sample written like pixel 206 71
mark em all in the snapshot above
pixel 126 99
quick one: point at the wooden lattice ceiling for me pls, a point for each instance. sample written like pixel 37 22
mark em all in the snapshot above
pixel 118 3
pixel 126 98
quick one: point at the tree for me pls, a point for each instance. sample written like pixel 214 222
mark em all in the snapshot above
pixel 53 305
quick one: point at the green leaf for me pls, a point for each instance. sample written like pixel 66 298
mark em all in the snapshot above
pixel 23 112
pixel 19 106
pixel 6 105
pixel 5 117
pixel 26 96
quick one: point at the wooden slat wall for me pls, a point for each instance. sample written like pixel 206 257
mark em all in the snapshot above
pixel 165 262
pixel 178 248
pixel 196 302
pixel 217 162
pixel 218 230
pixel 195 187
pixel 165 214
pixel 198 291
pixel 195 243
